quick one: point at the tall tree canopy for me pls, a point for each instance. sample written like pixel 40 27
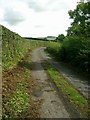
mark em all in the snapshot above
pixel 81 19
pixel 76 46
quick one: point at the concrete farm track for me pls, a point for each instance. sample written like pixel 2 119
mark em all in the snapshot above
pixel 53 104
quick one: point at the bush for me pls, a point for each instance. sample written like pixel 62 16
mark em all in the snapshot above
pixel 53 48
pixel 74 50
pixel 77 51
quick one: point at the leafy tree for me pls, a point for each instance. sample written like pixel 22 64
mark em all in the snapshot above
pixel 76 46
pixel 60 37
pixel 81 19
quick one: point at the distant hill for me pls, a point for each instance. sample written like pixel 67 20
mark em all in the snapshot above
pixel 51 38
pixel 33 38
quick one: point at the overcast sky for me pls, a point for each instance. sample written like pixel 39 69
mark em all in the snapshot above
pixel 36 18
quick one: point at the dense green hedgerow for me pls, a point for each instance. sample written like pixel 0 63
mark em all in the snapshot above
pixel 74 50
pixel 77 51
pixel 75 47
pixel 14 48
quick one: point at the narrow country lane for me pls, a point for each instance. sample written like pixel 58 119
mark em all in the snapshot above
pixel 52 105
pixel 80 82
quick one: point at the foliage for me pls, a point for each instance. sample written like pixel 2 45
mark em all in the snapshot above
pixel 14 47
pixel 15 97
pixel 53 48
pixel 75 48
pixel 60 38
pixel 81 20
pixel 17 102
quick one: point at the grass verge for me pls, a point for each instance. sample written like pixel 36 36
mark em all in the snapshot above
pixel 18 85
pixel 17 92
pixel 67 89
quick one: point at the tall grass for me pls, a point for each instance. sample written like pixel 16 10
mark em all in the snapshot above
pixel 53 48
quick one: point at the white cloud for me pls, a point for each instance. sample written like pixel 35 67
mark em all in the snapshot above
pixel 13 17
pixel 36 17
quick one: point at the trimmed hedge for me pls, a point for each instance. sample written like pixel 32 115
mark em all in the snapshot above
pixel 14 48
